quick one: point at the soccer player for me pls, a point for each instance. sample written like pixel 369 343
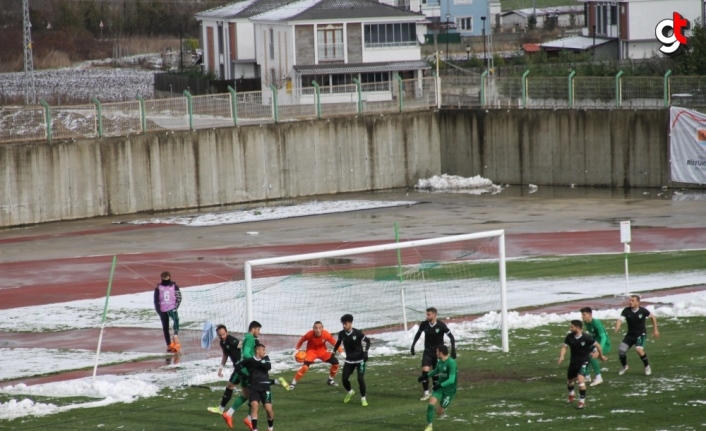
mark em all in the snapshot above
pixel 581 346
pixel 167 299
pixel 434 331
pixel 635 316
pixel 356 356
pixel 258 368
pixel 229 346
pixel 316 340
pixel 445 388
pixel 597 331
pixel 247 347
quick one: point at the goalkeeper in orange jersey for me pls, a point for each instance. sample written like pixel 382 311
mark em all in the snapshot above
pixel 316 340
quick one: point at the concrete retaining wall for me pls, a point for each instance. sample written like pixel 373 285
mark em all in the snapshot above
pixel 175 170
pixel 162 171
pixel 612 148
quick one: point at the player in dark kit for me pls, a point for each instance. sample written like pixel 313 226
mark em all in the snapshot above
pixel 229 346
pixel 258 368
pixel 635 316
pixel 356 356
pixel 434 331
pixel 581 346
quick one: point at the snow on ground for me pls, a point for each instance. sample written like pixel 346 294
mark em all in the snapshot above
pixel 274 212
pixel 453 183
pixel 79 83
pixel 137 311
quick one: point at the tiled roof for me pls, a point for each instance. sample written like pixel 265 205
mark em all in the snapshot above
pixel 243 9
pixel 392 66
pixel 306 10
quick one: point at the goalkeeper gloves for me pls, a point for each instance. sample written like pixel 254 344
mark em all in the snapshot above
pixel 412 350
pixel 436 386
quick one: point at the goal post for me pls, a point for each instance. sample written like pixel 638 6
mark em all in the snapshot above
pixel 461 275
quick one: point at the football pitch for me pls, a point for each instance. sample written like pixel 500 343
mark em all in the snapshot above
pixel 524 388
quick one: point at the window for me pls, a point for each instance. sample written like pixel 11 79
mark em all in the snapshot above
pixel 463 1
pixel 272 44
pixel 390 35
pixel 330 43
pixel 367 78
pixel 464 23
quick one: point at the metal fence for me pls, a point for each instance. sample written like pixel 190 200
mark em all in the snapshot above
pixel 320 101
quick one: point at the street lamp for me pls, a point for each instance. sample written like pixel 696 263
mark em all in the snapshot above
pixel 468 52
pixel 447 36
pixel 485 60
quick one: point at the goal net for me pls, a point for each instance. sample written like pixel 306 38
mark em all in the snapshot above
pixel 387 288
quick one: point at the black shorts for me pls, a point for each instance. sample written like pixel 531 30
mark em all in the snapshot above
pixel 429 359
pixel 635 340
pixel 234 378
pixel 261 393
pixel 576 368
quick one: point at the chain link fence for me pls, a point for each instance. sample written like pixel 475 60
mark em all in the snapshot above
pixel 286 104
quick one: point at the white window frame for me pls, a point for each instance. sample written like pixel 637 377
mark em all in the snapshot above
pixel 459 27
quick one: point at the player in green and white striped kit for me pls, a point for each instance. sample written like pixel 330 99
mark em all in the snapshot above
pixel 595 329
pixel 444 390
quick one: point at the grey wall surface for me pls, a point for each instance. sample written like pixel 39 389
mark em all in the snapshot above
pixel 613 148
pixel 162 171
pixel 193 169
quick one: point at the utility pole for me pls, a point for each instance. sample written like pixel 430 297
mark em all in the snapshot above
pixel 29 87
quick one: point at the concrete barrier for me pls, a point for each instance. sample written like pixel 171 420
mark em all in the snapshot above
pixel 197 169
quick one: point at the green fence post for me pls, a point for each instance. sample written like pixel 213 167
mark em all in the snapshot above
pixel 99 117
pixel 618 89
pixel 483 77
pixel 47 117
pixel 667 84
pixel 360 95
pixel 233 105
pixel 143 114
pixel 317 98
pixel 400 91
pixel 189 109
pixel 524 88
pixel 275 109
pixel 571 88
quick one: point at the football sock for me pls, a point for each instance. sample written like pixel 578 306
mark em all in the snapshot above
pixel 623 360
pixel 596 366
pixel 238 402
pixel 644 360
pixel 254 424
pixel 570 388
pixel 582 394
pixel 227 395
pixel 270 424
pixel 300 373
pixel 425 380
pixel 334 370
pixel 430 413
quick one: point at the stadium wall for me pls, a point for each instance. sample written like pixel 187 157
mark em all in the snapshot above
pixel 162 171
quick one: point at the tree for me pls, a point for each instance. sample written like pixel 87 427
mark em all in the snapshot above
pixel 692 60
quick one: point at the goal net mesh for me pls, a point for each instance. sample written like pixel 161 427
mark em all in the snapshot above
pixel 383 290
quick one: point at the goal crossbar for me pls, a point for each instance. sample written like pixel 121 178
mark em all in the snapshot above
pixel 500 234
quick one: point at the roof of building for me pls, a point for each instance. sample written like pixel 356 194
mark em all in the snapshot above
pixel 530 47
pixel 544 11
pixel 243 9
pixel 392 66
pixel 577 43
pixel 309 10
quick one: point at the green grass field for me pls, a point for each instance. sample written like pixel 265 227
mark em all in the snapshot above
pixel 523 389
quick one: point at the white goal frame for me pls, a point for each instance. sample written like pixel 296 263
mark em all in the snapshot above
pixel 500 234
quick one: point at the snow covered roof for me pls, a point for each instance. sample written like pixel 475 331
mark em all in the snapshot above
pixel 306 10
pixel 579 43
pixel 243 9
